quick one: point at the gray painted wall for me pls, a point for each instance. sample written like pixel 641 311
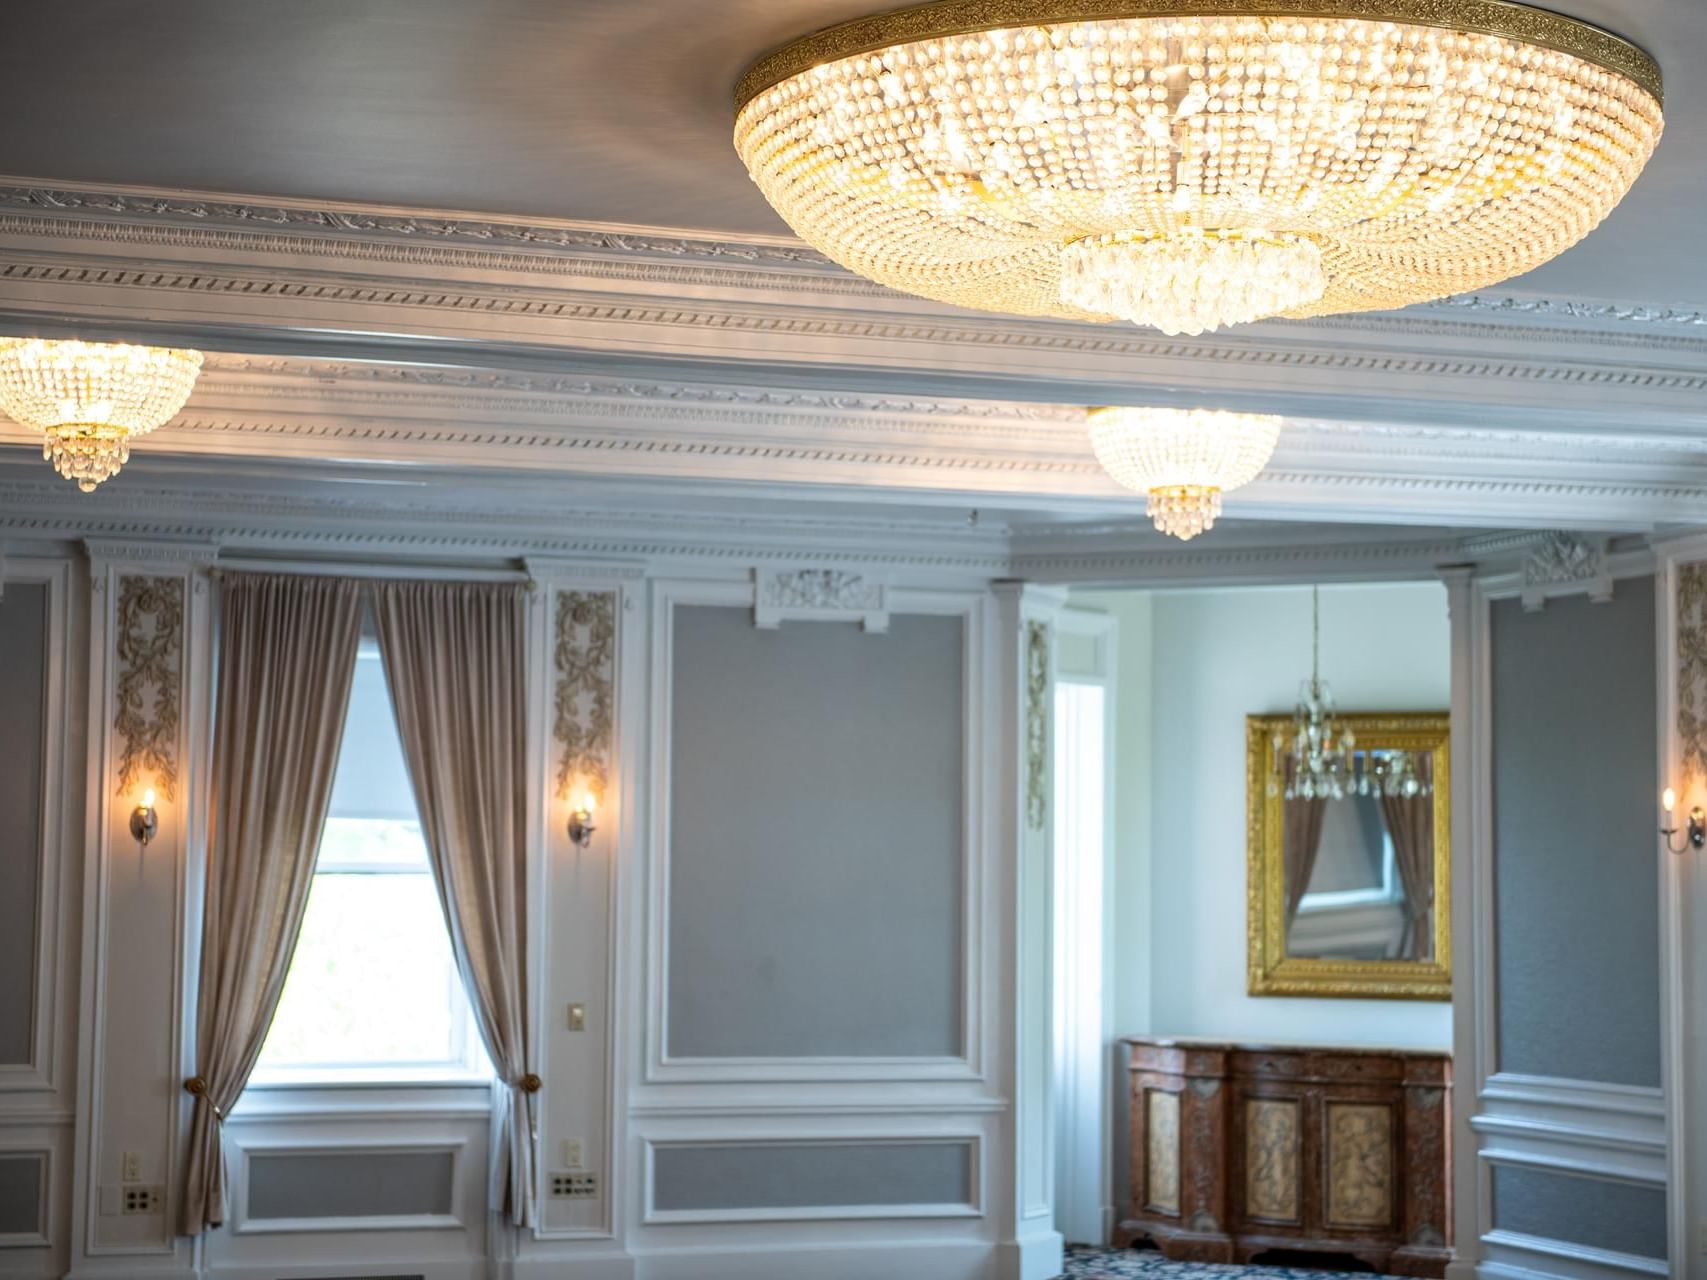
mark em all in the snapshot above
pixel 796 1175
pixel 23 692
pixel 1586 1211
pixel 21 1189
pixel 816 800
pixel 1575 798
pixel 357 1185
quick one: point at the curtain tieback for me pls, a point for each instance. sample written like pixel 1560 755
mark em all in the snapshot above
pixel 530 1083
pixel 196 1087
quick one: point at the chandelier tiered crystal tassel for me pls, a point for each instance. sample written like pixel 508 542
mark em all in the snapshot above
pixel 91 399
pixel 1187 164
pixel 1183 460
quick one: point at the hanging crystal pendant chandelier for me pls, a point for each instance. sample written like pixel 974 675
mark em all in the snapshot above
pixel 1182 459
pixel 91 399
pixel 1318 760
pixel 1187 164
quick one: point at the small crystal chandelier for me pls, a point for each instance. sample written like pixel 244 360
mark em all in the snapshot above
pixel 1187 164
pixel 1183 459
pixel 1318 761
pixel 90 399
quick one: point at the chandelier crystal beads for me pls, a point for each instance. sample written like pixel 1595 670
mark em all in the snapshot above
pixel 1318 761
pixel 1182 459
pixel 1192 163
pixel 90 399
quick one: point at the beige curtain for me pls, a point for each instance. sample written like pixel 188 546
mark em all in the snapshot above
pixel 454 658
pixel 1303 838
pixel 287 653
pixel 1410 821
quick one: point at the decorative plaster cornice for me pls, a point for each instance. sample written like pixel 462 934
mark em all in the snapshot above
pixel 390 237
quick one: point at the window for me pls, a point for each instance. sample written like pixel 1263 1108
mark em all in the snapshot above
pixel 373 990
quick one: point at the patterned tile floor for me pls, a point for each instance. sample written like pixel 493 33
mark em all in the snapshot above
pixel 1145 1264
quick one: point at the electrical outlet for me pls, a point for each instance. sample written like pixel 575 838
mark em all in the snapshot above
pixel 577 1017
pixel 574 1153
pixel 138 1199
pixel 130 1167
pixel 574 1186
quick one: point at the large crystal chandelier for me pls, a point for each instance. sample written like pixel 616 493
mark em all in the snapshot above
pixel 1192 163
pixel 1183 459
pixel 90 399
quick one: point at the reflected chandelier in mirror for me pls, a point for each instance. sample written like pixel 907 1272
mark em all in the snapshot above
pixel 1349 888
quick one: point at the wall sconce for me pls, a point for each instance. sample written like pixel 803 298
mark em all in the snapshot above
pixel 581 826
pixel 1696 834
pixel 143 822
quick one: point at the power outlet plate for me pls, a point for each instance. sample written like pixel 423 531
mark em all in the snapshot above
pixel 574 1186
pixel 134 1198
pixel 574 1153
pixel 130 1167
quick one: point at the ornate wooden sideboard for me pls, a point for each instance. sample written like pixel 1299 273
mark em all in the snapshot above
pixel 1238 1150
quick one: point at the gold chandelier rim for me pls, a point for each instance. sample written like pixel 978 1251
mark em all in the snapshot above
pixel 944 19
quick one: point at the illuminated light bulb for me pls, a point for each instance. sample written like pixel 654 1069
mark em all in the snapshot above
pixel 148 798
pixel 1668 801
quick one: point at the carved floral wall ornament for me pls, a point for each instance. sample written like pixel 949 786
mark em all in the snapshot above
pixel 1565 559
pixel 585 661
pixel 150 652
pixel 825 595
pixel 1036 723
pixel 1692 670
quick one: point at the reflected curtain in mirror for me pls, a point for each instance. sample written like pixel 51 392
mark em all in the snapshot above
pixel 1348 890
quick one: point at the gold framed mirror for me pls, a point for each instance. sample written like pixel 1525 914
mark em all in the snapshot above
pixel 1349 893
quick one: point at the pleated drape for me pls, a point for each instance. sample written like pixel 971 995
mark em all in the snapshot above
pixel 1410 822
pixel 287 654
pixel 455 661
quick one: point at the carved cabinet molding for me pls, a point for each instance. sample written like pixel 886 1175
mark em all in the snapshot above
pixel 1239 1151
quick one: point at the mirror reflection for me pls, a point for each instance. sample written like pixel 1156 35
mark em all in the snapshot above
pixel 1359 859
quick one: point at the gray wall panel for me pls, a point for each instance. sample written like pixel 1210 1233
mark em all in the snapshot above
pixel 1586 1211
pixel 816 784
pixel 21 1189
pixel 354 1185
pixel 23 694
pixel 1575 800
pixel 801 1175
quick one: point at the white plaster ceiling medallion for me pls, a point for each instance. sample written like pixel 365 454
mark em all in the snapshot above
pixel 1188 164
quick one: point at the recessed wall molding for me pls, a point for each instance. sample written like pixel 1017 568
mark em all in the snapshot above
pixel 149 653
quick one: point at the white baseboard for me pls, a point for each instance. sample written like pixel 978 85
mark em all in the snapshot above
pixel 1034 1257
pixel 1511 1255
pixel 914 1260
pixel 460 1270
pixel 610 1265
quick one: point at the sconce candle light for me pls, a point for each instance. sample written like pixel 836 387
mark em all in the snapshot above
pixel 581 826
pixel 143 822
pixel 1695 836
